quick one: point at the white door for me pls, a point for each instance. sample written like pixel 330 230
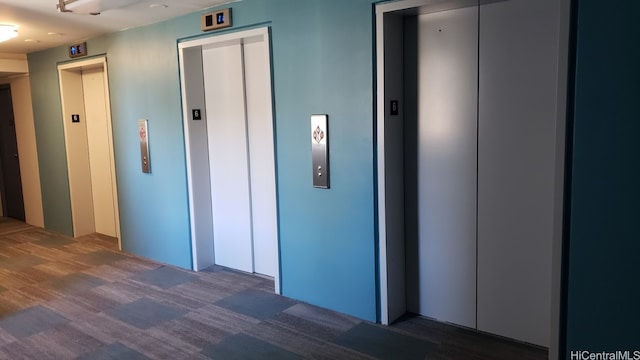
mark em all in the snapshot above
pixel 228 155
pixel 261 155
pixel 99 151
pixel 241 155
pixel 442 243
pixel 516 162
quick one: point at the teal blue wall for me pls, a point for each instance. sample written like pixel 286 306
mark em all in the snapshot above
pixel 322 63
pixel 47 112
pixel 603 302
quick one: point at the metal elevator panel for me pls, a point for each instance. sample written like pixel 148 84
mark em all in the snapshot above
pixel 143 134
pixel 320 151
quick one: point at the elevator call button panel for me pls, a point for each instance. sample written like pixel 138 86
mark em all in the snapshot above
pixel 143 135
pixel 320 151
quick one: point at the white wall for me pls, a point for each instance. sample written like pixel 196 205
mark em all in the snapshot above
pixel 26 137
pixel 97 125
pixel 13 64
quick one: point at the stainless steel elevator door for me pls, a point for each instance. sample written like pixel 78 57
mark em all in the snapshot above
pixel 442 165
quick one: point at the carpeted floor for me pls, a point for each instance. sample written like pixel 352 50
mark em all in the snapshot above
pixel 65 298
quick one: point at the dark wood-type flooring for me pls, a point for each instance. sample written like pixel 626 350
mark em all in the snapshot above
pixel 65 298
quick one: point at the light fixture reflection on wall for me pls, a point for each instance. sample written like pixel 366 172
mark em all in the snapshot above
pixel 8 32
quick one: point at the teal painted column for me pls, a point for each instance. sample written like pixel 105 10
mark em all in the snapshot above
pixel 52 157
pixel 603 294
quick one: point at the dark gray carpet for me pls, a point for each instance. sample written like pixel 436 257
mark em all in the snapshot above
pixel 64 298
pixel 245 347
pixel 31 321
pixel 114 351
pixel 255 303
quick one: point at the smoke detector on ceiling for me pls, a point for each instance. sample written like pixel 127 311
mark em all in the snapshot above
pixel 92 7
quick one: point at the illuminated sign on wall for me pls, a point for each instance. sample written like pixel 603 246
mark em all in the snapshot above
pixel 77 50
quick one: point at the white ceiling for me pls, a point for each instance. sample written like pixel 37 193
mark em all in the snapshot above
pixel 41 26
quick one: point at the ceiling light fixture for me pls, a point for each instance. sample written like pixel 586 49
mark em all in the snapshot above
pixel 62 6
pixel 92 7
pixel 8 32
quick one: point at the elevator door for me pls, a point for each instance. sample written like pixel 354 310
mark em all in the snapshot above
pixel 479 151
pixel 98 145
pixel 89 147
pixel 241 156
pixel 441 135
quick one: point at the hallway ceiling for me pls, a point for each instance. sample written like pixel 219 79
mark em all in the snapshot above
pixel 42 26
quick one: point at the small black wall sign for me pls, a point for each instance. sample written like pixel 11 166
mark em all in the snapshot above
pixel 197 114
pixel 394 107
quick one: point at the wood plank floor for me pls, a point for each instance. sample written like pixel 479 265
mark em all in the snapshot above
pixel 65 298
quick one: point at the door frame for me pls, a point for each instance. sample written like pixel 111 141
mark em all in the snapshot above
pixel 78 66
pixel 196 143
pixel 4 202
pixel 386 17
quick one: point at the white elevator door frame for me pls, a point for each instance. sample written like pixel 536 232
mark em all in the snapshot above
pixel 232 190
pixel 89 147
pixel 521 120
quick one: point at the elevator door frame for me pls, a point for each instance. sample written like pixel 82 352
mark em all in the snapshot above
pixel 196 143
pixel 82 200
pixel 387 18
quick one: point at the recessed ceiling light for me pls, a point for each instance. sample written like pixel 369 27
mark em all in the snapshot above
pixel 53 33
pixel 31 41
pixel 158 6
pixel 8 32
